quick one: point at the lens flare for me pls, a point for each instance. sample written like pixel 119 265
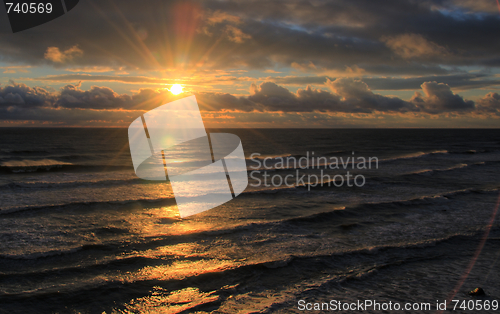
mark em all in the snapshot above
pixel 176 89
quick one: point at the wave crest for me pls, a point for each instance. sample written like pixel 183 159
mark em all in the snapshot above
pixel 28 165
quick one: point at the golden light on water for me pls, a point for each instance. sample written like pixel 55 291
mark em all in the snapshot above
pixel 176 89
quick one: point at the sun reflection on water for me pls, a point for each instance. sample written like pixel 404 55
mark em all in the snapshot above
pixel 163 301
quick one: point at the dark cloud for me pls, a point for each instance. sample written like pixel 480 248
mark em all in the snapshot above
pixel 490 103
pixel 473 6
pixel 356 94
pixel 223 101
pixel 396 37
pixel 70 117
pixel 272 97
pixel 439 98
pixel 461 81
pixel 22 96
pixel 95 98
pixel 345 95
pixel 391 36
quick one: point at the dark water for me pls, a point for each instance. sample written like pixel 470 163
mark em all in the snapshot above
pixel 80 233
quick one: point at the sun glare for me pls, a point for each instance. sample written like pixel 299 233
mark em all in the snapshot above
pixel 176 89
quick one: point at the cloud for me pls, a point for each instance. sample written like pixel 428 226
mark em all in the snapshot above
pixel 271 97
pixel 490 103
pixel 16 68
pixel 401 45
pixel 101 78
pixel 55 55
pixel 260 34
pixel 72 96
pixel 462 81
pixel 68 117
pixel 474 6
pixel 235 34
pixel 92 69
pixel 346 96
pixel 228 27
pixel 439 98
pixel 356 94
pixel 411 46
pixel 22 96
pixel 224 101
pixel 95 98
pixel 220 17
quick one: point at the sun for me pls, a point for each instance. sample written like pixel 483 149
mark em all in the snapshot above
pixel 176 89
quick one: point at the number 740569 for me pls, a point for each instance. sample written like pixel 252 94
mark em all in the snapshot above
pixel 475 305
pixel 29 7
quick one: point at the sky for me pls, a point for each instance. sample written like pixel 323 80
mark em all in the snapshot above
pixel 258 64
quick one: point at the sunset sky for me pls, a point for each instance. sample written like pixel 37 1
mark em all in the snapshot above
pixel 256 63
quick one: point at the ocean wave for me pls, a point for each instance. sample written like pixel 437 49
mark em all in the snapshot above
pixel 146 203
pixel 39 255
pixel 434 171
pixel 330 184
pixel 247 193
pixel 360 262
pixel 49 165
pixel 272 189
pixel 338 215
pixel 356 210
pixel 415 155
pixel 246 281
pixel 430 172
pixel 69 270
pixel 72 184
pixel 27 165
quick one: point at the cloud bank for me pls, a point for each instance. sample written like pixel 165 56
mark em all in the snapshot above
pixel 341 96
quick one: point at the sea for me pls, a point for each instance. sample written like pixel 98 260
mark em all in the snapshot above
pixel 81 233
